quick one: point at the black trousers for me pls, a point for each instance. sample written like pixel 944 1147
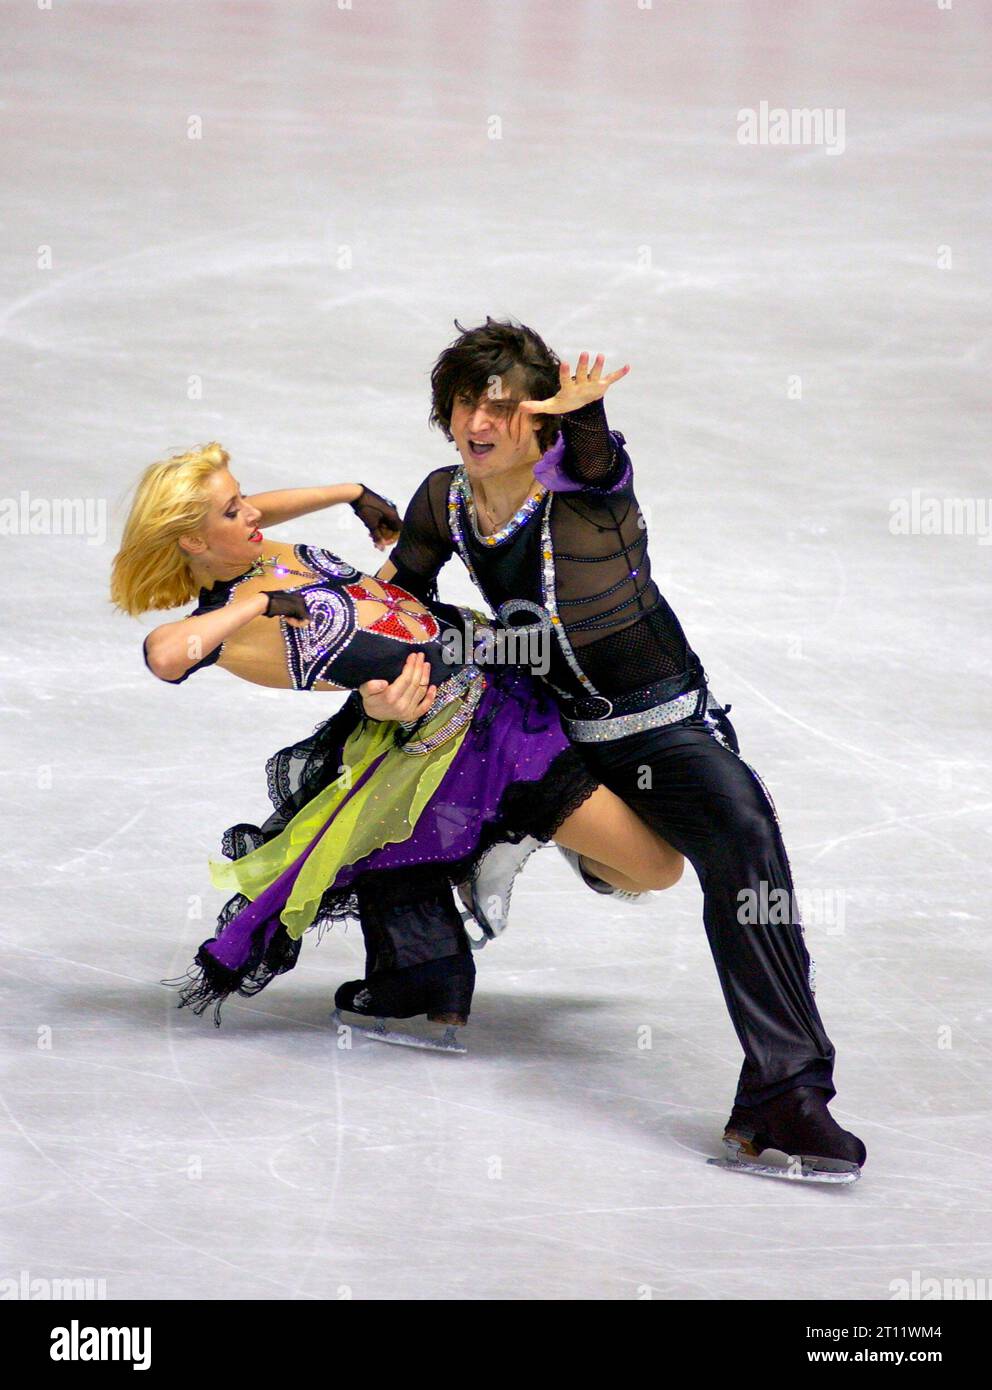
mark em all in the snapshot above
pixel 416 940
pixel 688 782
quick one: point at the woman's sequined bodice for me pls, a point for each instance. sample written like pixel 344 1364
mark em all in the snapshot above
pixel 334 647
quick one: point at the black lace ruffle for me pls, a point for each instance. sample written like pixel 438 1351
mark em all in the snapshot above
pixel 295 775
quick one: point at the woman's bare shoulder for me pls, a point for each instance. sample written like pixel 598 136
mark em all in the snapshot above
pixel 280 550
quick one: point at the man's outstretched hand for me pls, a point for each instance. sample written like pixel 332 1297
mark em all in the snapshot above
pixel 578 390
pixel 407 697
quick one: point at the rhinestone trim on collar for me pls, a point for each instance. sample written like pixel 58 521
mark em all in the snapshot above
pixel 519 518
pixel 458 536
pixel 548 595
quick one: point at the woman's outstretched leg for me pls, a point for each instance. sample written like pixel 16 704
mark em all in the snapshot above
pixel 618 847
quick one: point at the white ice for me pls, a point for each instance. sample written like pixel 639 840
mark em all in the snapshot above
pixel 808 333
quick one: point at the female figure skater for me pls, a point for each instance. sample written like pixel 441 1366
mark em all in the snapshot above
pixel 389 808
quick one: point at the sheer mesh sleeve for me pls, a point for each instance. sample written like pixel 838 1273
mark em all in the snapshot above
pixel 593 454
pixel 425 543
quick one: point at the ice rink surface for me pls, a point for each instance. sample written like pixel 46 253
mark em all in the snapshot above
pixel 256 223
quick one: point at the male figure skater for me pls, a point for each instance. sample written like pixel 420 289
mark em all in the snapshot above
pixel 541 507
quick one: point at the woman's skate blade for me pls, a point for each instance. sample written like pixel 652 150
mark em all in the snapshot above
pixel 380 1031
pixel 796 1168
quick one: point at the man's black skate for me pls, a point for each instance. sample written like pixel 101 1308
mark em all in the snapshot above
pixel 440 989
pixel 799 1125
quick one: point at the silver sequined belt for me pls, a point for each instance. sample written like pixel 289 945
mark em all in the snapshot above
pixel 669 712
pixel 466 685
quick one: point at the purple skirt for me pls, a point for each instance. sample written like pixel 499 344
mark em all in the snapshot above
pixel 515 775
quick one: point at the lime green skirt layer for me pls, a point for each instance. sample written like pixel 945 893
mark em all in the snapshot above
pixel 358 820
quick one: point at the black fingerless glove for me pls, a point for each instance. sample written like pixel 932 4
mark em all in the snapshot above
pixel 284 603
pixel 378 515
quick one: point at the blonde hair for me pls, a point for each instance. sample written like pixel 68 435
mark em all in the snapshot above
pixel 151 570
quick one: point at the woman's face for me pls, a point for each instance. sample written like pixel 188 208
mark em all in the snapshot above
pixel 229 539
pixel 491 440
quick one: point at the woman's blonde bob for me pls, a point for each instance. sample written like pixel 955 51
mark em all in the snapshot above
pixel 151 570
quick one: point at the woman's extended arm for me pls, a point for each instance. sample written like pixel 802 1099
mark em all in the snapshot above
pixel 174 648
pixel 378 515
pixel 285 504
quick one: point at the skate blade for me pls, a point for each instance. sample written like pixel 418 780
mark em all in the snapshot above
pixel 442 1044
pixel 796 1169
pixel 381 1032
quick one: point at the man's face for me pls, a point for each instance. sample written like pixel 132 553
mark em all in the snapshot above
pixel 491 437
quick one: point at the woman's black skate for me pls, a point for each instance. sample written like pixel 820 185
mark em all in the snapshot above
pixel 440 989
pixel 799 1125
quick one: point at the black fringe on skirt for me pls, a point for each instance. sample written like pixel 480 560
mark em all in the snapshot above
pixel 295 776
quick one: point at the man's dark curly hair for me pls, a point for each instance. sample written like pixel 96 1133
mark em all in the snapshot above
pixel 499 355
